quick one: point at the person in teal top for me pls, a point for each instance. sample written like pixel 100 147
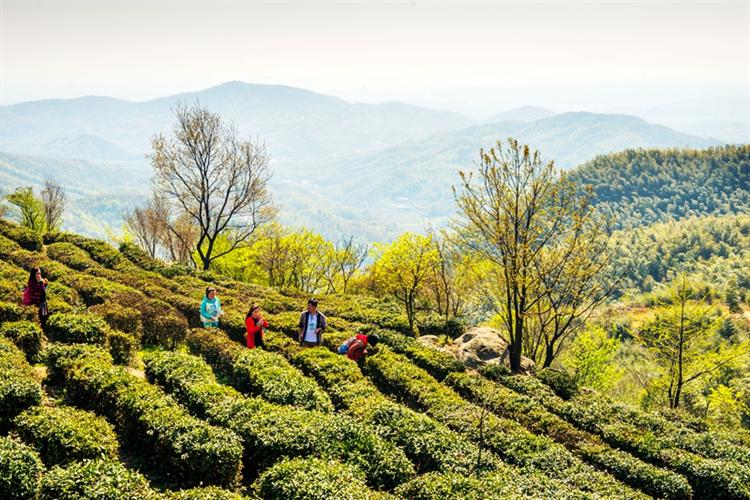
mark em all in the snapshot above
pixel 210 308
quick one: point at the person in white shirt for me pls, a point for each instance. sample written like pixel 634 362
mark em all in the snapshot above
pixel 311 325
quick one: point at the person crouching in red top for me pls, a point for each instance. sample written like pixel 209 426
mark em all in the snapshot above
pixel 255 325
pixel 358 346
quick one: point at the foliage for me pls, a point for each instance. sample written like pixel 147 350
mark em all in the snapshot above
pixel 18 386
pixel 64 434
pixel 29 209
pixel 118 317
pixel 647 186
pixel 313 478
pixel 100 478
pixel 590 359
pixel 26 335
pixel 684 340
pixel 401 269
pixel 27 238
pixel 20 469
pixel 186 448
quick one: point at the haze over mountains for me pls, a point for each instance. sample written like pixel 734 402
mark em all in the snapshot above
pixel 339 167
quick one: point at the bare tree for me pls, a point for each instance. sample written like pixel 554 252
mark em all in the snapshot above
pixel 53 202
pixel 148 225
pixel 218 180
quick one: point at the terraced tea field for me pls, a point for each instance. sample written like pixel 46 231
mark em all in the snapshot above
pixel 125 396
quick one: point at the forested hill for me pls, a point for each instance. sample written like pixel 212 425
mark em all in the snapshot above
pixel 641 187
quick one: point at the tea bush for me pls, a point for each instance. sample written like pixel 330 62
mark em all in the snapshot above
pixel 19 388
pixel 64 434
pixel 307 478
pixel 184 447
pixel 271 432
pixel 21 470
pixel 71 328
pixel 26 335
pixel 99 478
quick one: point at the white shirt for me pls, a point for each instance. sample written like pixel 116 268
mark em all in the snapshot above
pixel 312 325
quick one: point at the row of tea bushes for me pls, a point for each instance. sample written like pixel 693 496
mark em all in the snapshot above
pixel 23 477
pixel 26 238
pixel 19 388
pixel 437 363
pixel 73 328
pixel 312 478
pixel 503 402
pixel 645 435
pixel 26 335
pixel 428 444
pixel 258 372
pixel 64 434
pixel 183 448
pixel 271 432
pixel 396 375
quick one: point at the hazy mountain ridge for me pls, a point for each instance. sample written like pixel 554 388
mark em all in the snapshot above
pixel 338 167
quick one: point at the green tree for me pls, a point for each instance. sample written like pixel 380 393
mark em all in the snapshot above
pixel 590 358
pixel 548 244
pixel 29 209
pixel 402 267
pixel 684 339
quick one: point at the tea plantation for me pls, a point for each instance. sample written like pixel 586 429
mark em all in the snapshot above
pixel 125 396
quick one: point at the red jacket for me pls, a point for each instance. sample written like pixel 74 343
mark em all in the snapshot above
pixel 253 329
pixel 357 348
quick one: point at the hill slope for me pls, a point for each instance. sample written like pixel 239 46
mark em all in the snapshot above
pixel 286 411
pixel 641 187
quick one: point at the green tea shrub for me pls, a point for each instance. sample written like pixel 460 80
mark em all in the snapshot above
pixel 72 328
pixel 21 470
pixel 64 434
pixel 99 478
pixel 19 388
pixel 187 449
pixel 26 335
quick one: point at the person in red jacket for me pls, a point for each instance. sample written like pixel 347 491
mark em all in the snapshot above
pixel 255 325
pixel 35 294
pixel 357 349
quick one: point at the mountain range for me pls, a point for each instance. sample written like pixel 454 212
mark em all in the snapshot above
pixel 339 167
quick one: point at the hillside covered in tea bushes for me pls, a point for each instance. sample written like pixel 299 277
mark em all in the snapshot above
pixel 124 396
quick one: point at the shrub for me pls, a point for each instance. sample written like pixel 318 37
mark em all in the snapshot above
pixel 271 432
pixel 429 444
pixel 559 381
pixel 437 363
pixel 71 256
pixel 122 346
pixel 21 470
pixel 506 403
pixel 26 335
pixel 125 319
pixel 270 376
pixel 182 446
pixel 25 237
pixel 18 386
pixel 71 328
pixel 100 478
pixel 307 478
pixel 65 434
pixel 650 439
pixel 394 374
pixel 14 312
pixel 438 325
pixel 207 493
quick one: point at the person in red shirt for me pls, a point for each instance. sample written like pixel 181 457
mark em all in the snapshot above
pixel 255 325
pixel 357 349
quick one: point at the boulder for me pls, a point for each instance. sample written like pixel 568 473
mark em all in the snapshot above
pixel 484 345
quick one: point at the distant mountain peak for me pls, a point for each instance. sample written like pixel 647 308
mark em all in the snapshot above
pixel 521 114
